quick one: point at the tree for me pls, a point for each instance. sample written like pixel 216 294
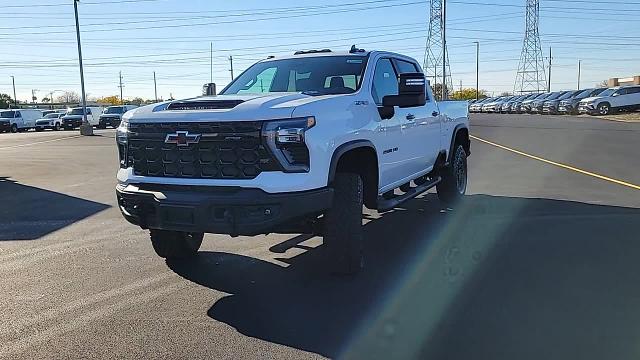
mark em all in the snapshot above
pixel 468 94
pixel 46 99
pixel 437 91
pixel 135 101
pixel 111 100
pixel 5 101
pixel 603 84
pixel 68 97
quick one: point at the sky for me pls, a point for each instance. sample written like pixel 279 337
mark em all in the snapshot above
pixel 173 38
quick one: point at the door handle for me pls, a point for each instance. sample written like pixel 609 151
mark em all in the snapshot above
pixel 435 113
pixel 411 117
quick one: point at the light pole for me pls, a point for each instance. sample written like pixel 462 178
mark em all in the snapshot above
pixel 579 72
pixel 477 69
pixel 85 128
pixel 15 99
pixel 51 96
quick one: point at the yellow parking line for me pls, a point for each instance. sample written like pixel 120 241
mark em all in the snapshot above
pixel 584 172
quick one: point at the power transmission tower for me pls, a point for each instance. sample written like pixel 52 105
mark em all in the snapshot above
pixel 436 56
pixel 531 75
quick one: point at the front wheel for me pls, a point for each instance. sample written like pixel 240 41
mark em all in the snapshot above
pixel 14 128
pixel 454 178
pixel 175 244
pixel 56 127
pixel 604 109
pixel 343 224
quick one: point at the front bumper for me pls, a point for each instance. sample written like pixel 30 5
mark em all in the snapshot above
pixel 549 109
pixel 71 123
pixel 109 120
pixel 586 108
pixel 219 210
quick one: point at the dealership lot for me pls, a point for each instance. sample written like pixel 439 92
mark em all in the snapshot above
pixel 77 279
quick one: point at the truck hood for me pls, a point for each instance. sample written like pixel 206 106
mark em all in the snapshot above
pixel 590 99
pixel 226 108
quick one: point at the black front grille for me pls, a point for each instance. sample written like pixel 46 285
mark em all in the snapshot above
pixel 225 150
pixel 204 104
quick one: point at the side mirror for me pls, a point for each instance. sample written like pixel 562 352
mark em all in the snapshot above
pixel 411 92
pixel 209 89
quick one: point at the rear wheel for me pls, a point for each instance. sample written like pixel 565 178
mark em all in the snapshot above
pixel 175 244
pixel 454 178
pixel 343 225
pixel 14 128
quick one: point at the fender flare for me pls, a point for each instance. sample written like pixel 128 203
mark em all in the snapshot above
pixel 343 149
pixel 453 140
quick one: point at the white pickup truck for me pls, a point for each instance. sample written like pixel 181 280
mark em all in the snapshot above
pixel 295 144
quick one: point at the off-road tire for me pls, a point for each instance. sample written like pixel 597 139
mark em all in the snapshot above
pixel 454 178
pixel 175 244
pixel 343 225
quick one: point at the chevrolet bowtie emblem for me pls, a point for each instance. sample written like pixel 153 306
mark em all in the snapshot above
pixel 182 138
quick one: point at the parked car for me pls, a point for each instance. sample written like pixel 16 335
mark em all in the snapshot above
pixel 112 115
pixel 501 102
pixel 551 106
pixel 610 100
pixel 536 105
pixel 73 118
pixel 506 106
pixel 477 106
pixel 15 120
pixel 51 121
pixel 490 106
pixel 570 106
pixel 287 165
pixel 525 107
pixel 516 104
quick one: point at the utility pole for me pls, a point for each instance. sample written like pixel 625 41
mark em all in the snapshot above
pixel 85 128
pixel 579 72
pixel 15 99
pixel 230 61
pixel 477 69
pixel 211 61
pixel 121 86
pixel 460 85
pixel 33 95
pixel 444 47
pixel 549 87
pixel 155 86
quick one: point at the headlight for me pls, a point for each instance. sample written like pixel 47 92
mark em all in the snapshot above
pixel 286 140
pixel 122 139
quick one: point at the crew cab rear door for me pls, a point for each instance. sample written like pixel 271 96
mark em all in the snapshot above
pixel 420 127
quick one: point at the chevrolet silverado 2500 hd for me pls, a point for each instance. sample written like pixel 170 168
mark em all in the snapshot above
pixel 295 144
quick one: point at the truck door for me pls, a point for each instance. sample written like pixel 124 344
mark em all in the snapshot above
pixel 393 154
pixel 420 127
pixel 18 120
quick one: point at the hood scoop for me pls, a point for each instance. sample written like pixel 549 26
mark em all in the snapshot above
pixel 204 105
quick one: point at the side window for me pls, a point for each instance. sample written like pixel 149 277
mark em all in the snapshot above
pixel 406 67
pixel 633 90
pixel 621 92
pixel 261 84
pixel 88 111
pixel 18 114
pixel 385 81
pixel 409 67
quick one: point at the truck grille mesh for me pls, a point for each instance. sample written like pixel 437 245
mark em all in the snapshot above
pixel 232 150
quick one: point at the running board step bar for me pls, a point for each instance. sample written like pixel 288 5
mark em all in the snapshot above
pixel 388 204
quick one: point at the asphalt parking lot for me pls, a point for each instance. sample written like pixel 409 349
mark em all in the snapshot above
pixel 540 262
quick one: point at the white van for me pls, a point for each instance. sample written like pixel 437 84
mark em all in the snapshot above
pixel 19 119
pixel 73 117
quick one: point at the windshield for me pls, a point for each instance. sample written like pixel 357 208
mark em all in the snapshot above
pixel 114 110
pixel 76 111
pixel 608 92
pixel 7 114
pixel 584 94
pixel 311 75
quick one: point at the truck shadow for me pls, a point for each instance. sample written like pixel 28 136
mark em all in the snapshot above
pixel 557 279
pixel 29 213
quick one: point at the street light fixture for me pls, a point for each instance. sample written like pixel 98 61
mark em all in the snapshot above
pixel 85 128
